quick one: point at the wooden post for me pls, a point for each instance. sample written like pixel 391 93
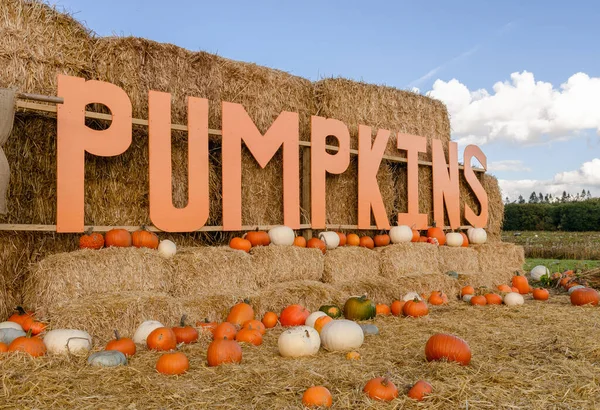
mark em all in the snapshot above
pixel 305 191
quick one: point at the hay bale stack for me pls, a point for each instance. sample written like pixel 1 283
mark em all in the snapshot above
pixel 62 278
pixel 498 263
pixel 38 43
pixel 350 263
pixel 277 264
pixel 308 293
pixel 409 260
pixel 215 307
pixel 99 315
pixel 213 271
pixel 461 260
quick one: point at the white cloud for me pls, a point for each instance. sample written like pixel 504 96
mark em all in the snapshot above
pixel 508 165
pixel 522 110
pixel 587 177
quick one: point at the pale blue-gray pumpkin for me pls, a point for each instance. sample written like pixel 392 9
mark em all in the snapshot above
pixel 7 335
pixel 107 358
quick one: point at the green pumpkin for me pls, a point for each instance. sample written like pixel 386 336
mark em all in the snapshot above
pixel 359 308
pixel 331 310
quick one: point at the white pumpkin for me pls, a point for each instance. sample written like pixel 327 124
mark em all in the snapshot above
pixel 477 236
pixel 401 233
pixel 342 335
pixel 143 330
pixel 574 288
pixel 299 341
pixel 454 239
pixel 10 325
pixel 539 271
pixel 312 318
pixel 467 298
pixel 411 296
pixel 331 239
pixel 167 248
pixel 282 235
pixel 513 299
pixel 7 335
pixel 65 341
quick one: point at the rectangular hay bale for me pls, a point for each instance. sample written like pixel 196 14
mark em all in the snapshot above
pixel 409 259
pixel 308 293
pixel 461 260
pixel 350 263
pixel 277 264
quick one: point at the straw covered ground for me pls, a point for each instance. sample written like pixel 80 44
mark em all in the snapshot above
pixel 530 357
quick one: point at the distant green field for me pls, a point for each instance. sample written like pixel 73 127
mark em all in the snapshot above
pixel 557 245
pixel 561 265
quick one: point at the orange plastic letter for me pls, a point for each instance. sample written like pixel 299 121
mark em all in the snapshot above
pixel 162 212
pixel 369 195
pixel 74 139
pixel 475 220
pixel 322 162
pixel 413 144
pixel 238 126
pixel 445 185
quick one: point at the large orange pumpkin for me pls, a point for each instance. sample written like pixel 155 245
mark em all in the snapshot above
pixel 493 299
pixel 91 240
pixel 241 313
pixel 521 283
pixel 419 390
pixel 396 307
pixel 316 243
pixel 222 351
pixel 352 239
pixel 382 309
pixel 258 238
pixel 381 388
pixel 293 315
pixel 172 363
pixel 162 338
pixel 437 233
pixel 317 396
pixel 540 294
pixel 144 239
pixel 185 334
pixel 585 296
pixel 478 301
pixel 118 238
pixel 444 346
pixel 415 308
pixel 225 330
pixel 251 336
pixel 124 345
pixel 270 320
pixel 256 325
pixel 34 346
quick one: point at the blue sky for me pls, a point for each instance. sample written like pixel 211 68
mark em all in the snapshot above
pixel 414 44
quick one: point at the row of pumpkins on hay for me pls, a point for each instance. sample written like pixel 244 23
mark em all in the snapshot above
pixel 285 236
pixel 305 332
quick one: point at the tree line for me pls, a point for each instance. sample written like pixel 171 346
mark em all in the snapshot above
pixel 575 215
pixel 548 198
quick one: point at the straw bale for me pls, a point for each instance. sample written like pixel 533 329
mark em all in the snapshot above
pixel 495 208
pixel 215 307
pixel 308 293
pixel 382 107
pixel 207 270
pixel 38 42
pixel 508 345
pixel 500 256
pixel 286 263
pixel 100 314
pixel 461 260
pixel 63 277
pixel 350 263
pixel 409 259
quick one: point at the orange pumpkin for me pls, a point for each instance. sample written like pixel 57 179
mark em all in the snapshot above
pixel 124 345
pixel 366 242
pixel 467 290
pixel 255 325
pixel 381 388
pixel 225 331
pixel 540 294
pixel 415 308
pixel 437 233
pixel 37 327
pixel 465 243
pixel 568 273
pixel 270 320
pixel 381 240
pixel 162 338
pixel 185 334
pixel 120 238
pixel 300 241
pixel 416 235
pixel 3 348
pixel 144 239
pixel 352 239
pixel 91 240
pixel 419 390
pixel 585 296
pixel 207 327
pixel 251 336
pixel 493 299
pixel 342 238
pixel 316 243
pixel 317 396
pixel 21 316
pixel 34 346
pixel 293 315
pixel 504 288
pixel 382 309
pixel 422 239
pixel 221 351
pixel 352 356
pixel 478 301
pixel 240 244
pixel 449 347
pixel 258 238
pixel 438 298
pixel 240 313
pixel 320 322
pixel 397 306
pixel 172 363
pixel 513 289
pixel 521 283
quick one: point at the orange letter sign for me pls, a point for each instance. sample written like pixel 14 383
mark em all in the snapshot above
pixel 75 139
pixel 162 212
pixel 475 220
pixel 322 162
pixel 369 195
pixel 445 185
pixel 238 126
pixel 413 144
